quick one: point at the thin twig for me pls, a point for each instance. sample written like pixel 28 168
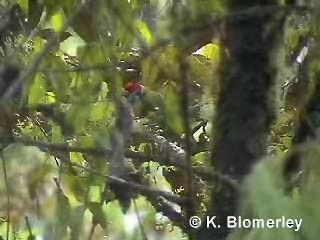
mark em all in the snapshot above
pixel 31 236
pixel 92 230
pixel 47 137
pixel 143 233
pixel 7 193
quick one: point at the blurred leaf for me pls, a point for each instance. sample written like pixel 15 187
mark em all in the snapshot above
pixel 145 32
pixel 33 10
pixel 50 97
pixel 57 21
pixel 37 90
pixel 210 51
pixel 57 136
pixel 77 186
pixel 78 116
pixel 99 111
pixel 86 141
pixel 150 72
pixel 76 157
pixel 76 222
pixel 172 110
pixel 99 216
pixel 85 22
pixel 24 4
pixel 49 34
pixel 63 216
pixel 36 177
pixel 201 159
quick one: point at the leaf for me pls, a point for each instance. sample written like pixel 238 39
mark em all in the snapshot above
pixel 85 22
pixel 99 216
pixel 36 177
pixel 211 51
pixel 77 186
pixel 76 157
pixel 50 97
pixel 76 221
pixel 58 83
pixel 145 32
pixel 57 21
pixel 57 136
pixel 33 10
pixel 63 216
pixel 201 159
pixel 150 72
pixel 37 91
pixel 92 54
pixel 24 4
pixel 172 110
pixel 78 116
pixel 86 141
pixel 99 111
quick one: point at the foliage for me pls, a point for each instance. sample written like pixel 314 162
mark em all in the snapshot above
pixel 60 123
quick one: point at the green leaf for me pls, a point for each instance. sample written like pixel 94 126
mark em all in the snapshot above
pixel 150 72
pixel 85 24
pixel 24 4
pixel 50 97
pixel 172 110
pixel 99 111
pixel 92 54
pixel 57 21
pixel 78 116
pixel 36 12
pixel 56 134
pixel 33 10
pixel 99 216
pixel 63 216
pixel 145 32
pixel 37 91
pixel 77 186
pixel 210 51
pixel 37 176
pixel 76 222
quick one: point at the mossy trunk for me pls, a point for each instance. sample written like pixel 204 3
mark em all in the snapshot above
pixel 245 108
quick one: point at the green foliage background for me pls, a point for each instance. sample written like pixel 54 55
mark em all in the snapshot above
pixel 75 58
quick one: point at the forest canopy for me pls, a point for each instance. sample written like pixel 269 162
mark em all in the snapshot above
pixel 159 119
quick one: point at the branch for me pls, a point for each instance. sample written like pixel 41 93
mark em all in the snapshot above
pixel 177 218
pixel 147 191
pixel 169 155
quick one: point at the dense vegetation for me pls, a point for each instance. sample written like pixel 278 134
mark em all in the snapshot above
pixel 123 119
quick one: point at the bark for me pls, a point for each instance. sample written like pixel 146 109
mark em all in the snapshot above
pixel 309 117
pixel 245 108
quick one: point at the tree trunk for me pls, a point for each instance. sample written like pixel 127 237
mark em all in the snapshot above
pixel 245 108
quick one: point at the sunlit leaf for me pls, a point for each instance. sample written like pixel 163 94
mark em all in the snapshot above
pixel 57 21
pixel 37 90
pixel 145 32
pixel 211 51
